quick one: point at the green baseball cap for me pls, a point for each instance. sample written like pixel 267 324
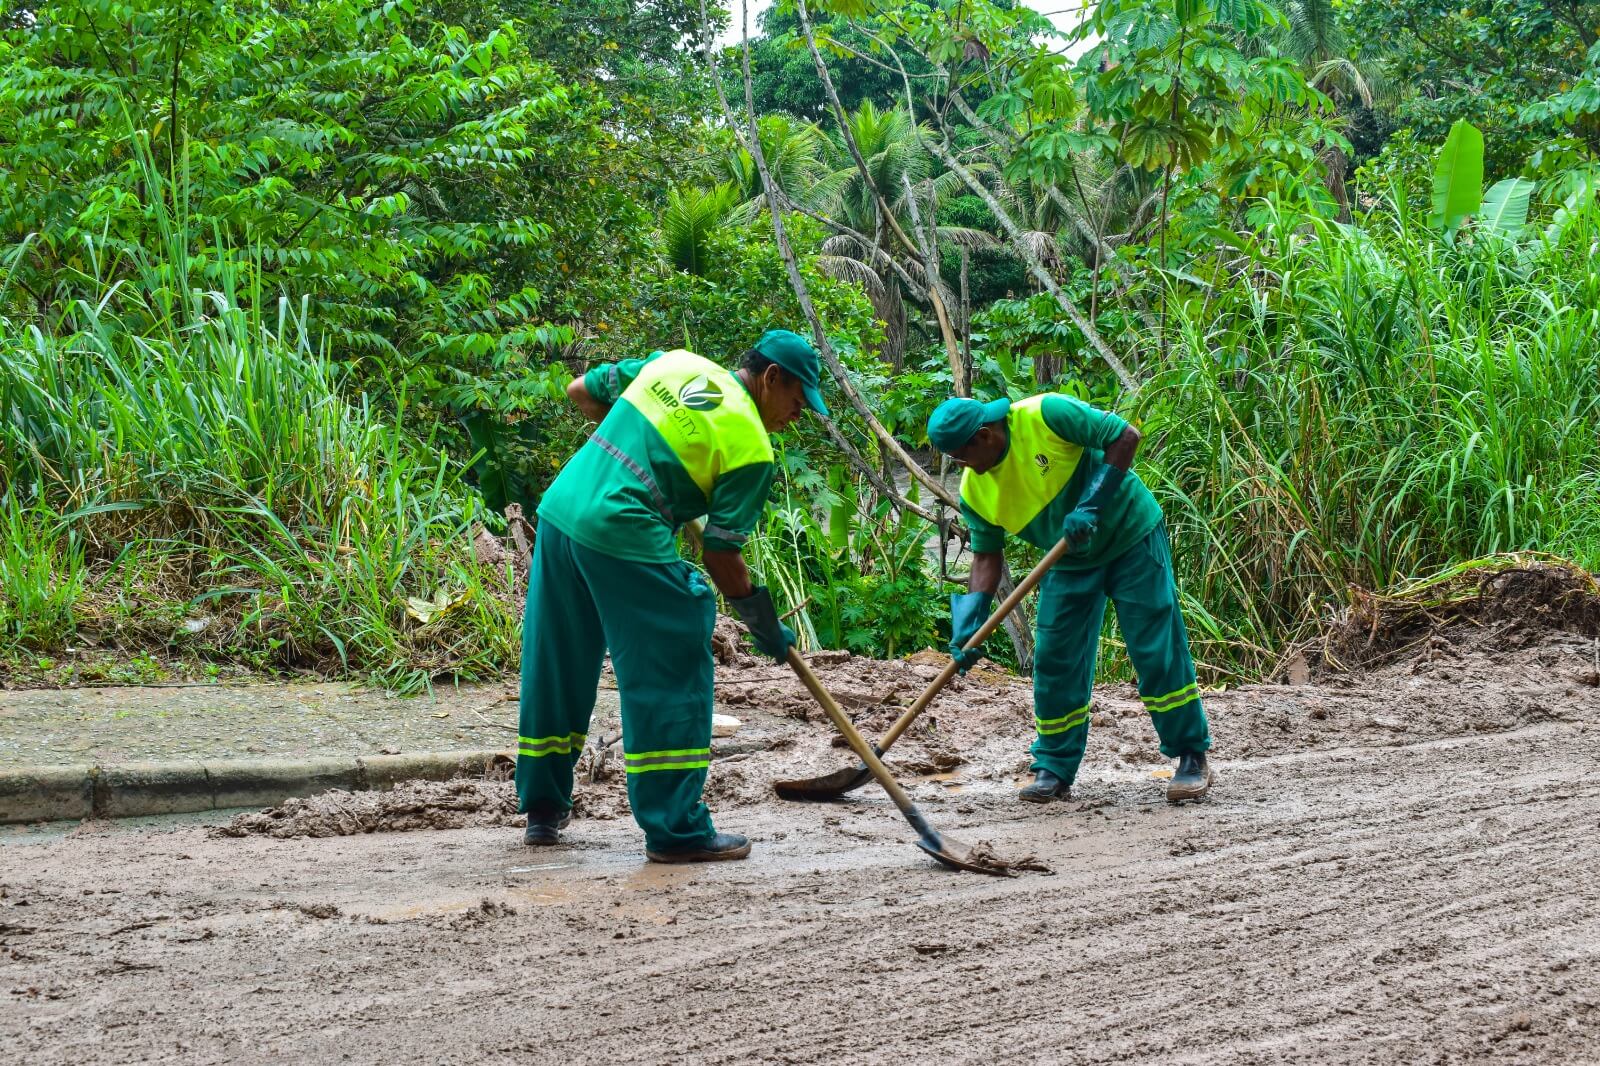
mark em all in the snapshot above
pixel 795 354
pixel 953 422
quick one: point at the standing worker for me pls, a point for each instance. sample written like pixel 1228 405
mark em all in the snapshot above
pixel 679 437
pixel 1050 468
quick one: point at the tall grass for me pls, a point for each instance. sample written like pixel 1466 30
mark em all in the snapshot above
pixel 181 465
pixel 860 581
pixel 1361 406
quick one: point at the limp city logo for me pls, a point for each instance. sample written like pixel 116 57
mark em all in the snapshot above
pixel 700 394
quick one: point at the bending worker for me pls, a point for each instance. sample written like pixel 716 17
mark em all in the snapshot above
pixel 679 437
pixel 1051 468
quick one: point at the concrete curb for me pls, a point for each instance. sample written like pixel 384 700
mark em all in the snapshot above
pixel 125 790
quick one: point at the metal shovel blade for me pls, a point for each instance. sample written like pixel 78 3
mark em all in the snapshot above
pixel 827 787
pixel 958 856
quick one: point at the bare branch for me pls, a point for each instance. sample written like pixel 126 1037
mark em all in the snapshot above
pixel 802 294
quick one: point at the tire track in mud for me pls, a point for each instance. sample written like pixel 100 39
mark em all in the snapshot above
pixel 1333 979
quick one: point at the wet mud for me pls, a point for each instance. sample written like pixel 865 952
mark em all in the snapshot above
pixel 1393 866
pixel 412 806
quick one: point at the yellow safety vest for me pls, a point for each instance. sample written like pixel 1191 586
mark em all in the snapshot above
pixel 1036 467
pixel 705 415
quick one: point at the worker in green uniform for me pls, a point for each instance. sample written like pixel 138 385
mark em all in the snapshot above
pixel 679 437
pixel 1050 468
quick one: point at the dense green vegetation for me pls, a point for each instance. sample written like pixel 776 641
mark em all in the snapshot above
pixel 288 293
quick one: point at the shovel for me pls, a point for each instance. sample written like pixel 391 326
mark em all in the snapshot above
pixel 832 786
pixel 946 849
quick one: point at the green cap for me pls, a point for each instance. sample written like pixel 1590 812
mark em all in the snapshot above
pixel 953 422
pixel 795 354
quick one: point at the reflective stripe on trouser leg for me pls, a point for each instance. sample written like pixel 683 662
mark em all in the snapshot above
pixel 658 619
pixel 562 650
pixel 538 747
pixel 1141 585
pixel 1067 640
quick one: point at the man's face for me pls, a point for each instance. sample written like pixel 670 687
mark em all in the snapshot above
pixel 780 398
pixel 983 451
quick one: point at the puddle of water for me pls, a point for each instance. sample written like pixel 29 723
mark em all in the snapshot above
pixel 950 779
pixel 544 896
pixel 654 876
pixel 416 910
pixel 1165 773
pixel 549 895
pixel 542 866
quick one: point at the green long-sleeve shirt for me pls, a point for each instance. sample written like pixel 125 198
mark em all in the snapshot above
pixel 1045 434
pixel 601 500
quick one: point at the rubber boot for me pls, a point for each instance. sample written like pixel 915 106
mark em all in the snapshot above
pixel 720 848
pixel 1046 787
pixel 545 825
pixel 1192 779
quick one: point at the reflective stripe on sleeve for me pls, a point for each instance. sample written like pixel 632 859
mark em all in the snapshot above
pixel 718 533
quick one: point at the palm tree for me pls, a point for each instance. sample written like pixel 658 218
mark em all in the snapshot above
pixel 1317 41
pixel 798 159
pixel 693 215
pixel 866 252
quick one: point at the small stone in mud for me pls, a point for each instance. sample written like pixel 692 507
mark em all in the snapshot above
pixel 319 910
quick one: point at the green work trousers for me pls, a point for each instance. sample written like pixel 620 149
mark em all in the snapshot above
pixel 1072 605
pixel 656 620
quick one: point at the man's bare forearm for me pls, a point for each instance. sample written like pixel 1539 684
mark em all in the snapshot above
pixel 579 394
pixel 986 568
pixel 1122 450
pixel 728 573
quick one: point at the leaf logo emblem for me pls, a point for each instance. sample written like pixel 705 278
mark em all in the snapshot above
pixel 1043 460
pixel 700 394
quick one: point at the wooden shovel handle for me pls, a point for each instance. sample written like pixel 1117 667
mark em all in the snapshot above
pixel 853 737
pixel 1009 604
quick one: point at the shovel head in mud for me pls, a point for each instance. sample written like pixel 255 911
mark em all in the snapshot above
pixel 959 856
pixel 825 788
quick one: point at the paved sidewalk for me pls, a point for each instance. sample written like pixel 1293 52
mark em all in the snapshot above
pixel 108 726
pixel 174 749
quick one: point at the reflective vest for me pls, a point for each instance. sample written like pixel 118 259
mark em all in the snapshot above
pixel 1036 467
pixel 705 415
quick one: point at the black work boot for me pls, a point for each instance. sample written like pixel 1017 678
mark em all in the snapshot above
pixel 720 848
pixel 545 825
pixel 1046 787
pixel 1192 779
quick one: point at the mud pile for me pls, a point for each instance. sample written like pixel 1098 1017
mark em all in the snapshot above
pixel 453 804
pixel 1506 603
pixel 873 692
pixel 1491 650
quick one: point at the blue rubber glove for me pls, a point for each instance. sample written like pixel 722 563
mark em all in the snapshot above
pixel 1080 525
pixel 968 612
pixel 759 615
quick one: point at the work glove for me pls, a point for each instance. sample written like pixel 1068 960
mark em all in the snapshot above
pixel 759 615
pixel 968 612
pixel 1080 525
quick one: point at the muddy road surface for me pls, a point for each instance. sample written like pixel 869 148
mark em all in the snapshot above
pixel 1395 867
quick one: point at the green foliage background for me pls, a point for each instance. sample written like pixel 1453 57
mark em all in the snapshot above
pixel 289 295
